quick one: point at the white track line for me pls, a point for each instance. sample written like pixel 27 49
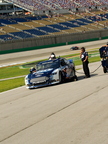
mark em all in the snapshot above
pixel 12 64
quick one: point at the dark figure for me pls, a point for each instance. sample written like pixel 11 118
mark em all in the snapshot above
pixel 32 70
pixel 85 62
pixel 104 57
pixel 106 50
pixel 52 56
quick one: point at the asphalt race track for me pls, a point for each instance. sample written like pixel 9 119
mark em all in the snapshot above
pixel 68 113
pixel 34 55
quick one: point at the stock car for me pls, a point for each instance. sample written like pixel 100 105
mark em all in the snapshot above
pixel 74 48
pixel 51 72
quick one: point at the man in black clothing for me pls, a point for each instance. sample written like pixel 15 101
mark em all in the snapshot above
pixel 85 62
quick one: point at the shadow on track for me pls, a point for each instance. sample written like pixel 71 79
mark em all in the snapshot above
pixel 67 81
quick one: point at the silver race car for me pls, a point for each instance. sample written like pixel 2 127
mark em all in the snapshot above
pixel 51 72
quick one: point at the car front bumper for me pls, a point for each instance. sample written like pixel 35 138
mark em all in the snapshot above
pixel 32 86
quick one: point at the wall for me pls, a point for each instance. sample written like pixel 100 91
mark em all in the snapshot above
pixel 51 41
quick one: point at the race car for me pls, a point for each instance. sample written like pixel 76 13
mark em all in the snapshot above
pixel 74 48
pixel 104 58
pixel 51 72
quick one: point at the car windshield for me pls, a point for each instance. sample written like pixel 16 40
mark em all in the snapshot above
pixel 47 65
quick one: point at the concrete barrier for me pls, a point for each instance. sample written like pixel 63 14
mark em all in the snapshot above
pixel 51 41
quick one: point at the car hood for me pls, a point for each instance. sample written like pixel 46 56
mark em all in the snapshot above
pixel 42 73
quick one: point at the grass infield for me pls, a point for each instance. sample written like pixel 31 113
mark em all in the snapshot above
pixel 10 84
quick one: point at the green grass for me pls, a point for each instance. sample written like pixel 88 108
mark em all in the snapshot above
pixel 91 60
pixel 94 59
pixel 14 71
pixel 10 84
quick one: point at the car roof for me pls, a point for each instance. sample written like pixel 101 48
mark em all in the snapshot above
pixel 47 61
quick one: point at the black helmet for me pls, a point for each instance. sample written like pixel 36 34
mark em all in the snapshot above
pixel 32 69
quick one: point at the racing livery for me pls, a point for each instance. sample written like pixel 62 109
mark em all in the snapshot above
pixel 51 72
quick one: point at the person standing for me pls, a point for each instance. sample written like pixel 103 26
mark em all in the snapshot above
pixel 85 62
